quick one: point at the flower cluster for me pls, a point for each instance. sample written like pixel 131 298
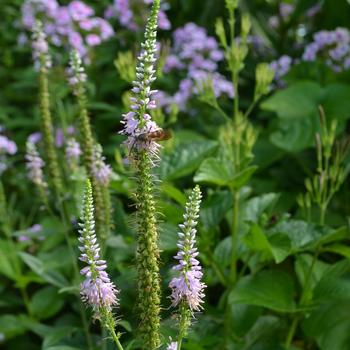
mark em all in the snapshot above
pixel 35 165
pixel 7 147
pixel 97 290
pixel 33 231
pixel 130 12
pixel 73 25
pixel 60 137
pixel 101 171
pixel 198 55
pixel 188 287
pixel 138 123
pixel 281 67
pixel 40 47
pixel 285 12
pixel 172 346
pixel 73 151
pixel 75 71
pixel 333 46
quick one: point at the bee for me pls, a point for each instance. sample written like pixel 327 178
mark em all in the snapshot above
pixel 156 135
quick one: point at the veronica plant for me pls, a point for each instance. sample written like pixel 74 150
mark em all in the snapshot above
pixel 187 288
pixel 96 290
pixel 143 152
pixel 77 79
pixel 42 60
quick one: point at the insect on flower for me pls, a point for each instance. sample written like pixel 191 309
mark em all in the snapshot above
pixel 155 136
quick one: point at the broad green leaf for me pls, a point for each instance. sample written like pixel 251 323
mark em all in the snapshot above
pixel 340 249
pixel 256 206
pixel 277 246
pixel 329 325
pixel 213 171
pixel 7 260
pixel 270 289
pixel 174 193
pixel 56 334
pixel 185 159
pixel 299 125
pixel 11 325
pixel 51 276
pixel 241 178
pixel 280 246
pixel 46 303
pixel 222 252
pixel 215 207
pixel 168 236
pixel 264 334
pixel 302 268
pixel 305 235
pixel 243 317
pixel 334 284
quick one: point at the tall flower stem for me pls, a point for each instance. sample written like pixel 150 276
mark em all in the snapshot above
pixel 144 155
pixel 147 255
pixel 47 129
pixel 87 140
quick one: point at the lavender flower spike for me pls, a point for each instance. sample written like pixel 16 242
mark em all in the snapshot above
pixel 138 121
pixel 35 165
pixel 102 172
pixel 97 290
pixel 188 287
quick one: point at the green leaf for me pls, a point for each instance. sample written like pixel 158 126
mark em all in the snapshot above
pixel 56 334
pixel 174 193
pixel 185 159
pixel 213 171
pixel 243 317
pixel 168 236
pixel 51 276
pixel 299 125
pixel 11 325
pixel 330 326
pixel 215 207
pixel 6 260
pixel 46 302
pixel 255 207
pixel 307 235
pixel 241 178
pixel 280 246
pixel 334 284
pixel 340 249
pixel 277 246
pixel 270 289
pixel 222 252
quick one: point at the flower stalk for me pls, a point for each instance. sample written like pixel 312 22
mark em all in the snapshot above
pixel 96 290
pixel 187 288
pixel 77 80
pixel 143 152
pixel 43 63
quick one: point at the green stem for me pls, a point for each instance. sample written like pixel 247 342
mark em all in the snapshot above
pixel 303 299
pixel 323 210
pixel 291 332
pixel 116 339
pixel 66 223
pixel 147 255
pixel 234 237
